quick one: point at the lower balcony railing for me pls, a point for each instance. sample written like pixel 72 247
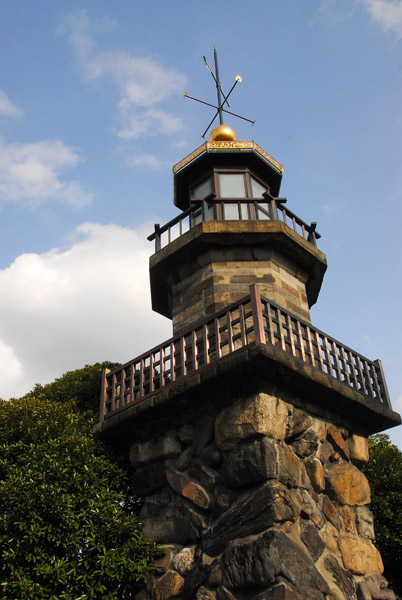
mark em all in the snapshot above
pixel 252 321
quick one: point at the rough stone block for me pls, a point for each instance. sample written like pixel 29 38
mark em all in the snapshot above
pixel 167 524
pixel 224 594
pixel 215 577
pixel 163 563
pixel 260 414
pixel 374 587
pixel 262 562
pixel 149 451
pixel 196 577
pixel 204 594
pixel 184 560
pixel 310 509
pixel 306 445
pixel 168 586
pixel 349 484
pixel 315 471
pixel 269 504
pixel 360 557
pixel 299 422
pixel 343 579
pixel 330 512
pixel 365 522
pixel 349 519
pixel 279 592
pixel 205 475
pixel 188 489
pixel 183 461
pixel 359 451
pixel 148 480
pixel 325 452
pixel 252 462
pixel 329 539
pixel 312 540
pixel 204 433
pixel 291 471
pixel 337 441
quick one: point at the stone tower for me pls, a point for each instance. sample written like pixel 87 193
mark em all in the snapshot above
pixel 246 430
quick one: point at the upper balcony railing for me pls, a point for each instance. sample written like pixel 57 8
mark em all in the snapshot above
pixel 252 321
pixel 243 209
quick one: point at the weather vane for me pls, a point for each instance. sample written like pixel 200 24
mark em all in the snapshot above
pixel 220 108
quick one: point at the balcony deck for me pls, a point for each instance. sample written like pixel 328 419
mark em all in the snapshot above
pixel 254 321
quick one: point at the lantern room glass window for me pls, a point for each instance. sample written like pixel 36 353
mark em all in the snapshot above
pixel 203 188
pixel 257 189
pixel 232 185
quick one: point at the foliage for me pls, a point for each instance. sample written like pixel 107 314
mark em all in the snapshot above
pixel 384 472
pixel 82 386
pixel 65 531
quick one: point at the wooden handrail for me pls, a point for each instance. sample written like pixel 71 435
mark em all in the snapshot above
pixel 277 212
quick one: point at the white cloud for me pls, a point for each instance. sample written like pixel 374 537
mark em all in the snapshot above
pixel 141 82
pixel 63 309
pixel 146 161
pixel 11 370
pixel 388 13
pixel 7 108
pixel 30 173
pixel 150 121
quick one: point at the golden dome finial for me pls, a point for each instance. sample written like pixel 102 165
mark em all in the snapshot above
pixel 223 133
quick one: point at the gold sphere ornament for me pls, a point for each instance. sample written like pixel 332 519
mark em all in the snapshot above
pixel 222 133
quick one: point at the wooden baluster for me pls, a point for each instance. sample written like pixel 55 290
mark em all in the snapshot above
pixel 334 347
pixel 258 319
pixel 141 384
pixel 242 325
pixel 195 350
pixel 217 338
pixel 345 367
pixel 319 351
pixel 183 355
pixel 353 370
pixel 360 371
pixel 291 336
pixel 229 331
pixel 301 341
pixel 367 378
pixel 207 358
pixel 311 345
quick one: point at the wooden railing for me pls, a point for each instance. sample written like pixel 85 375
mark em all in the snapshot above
pixel 212 209
pixel 252 321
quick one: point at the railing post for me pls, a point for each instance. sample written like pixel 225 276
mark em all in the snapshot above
pixel 312 236
pixel 273 203
pixel 103 395
pixel 158 244
pixel 258 319
pixel 377 363
pixel 205 205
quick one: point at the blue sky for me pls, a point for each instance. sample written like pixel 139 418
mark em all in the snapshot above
pixel 92 118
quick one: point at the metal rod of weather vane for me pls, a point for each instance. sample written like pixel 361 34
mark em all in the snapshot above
pixel 218 88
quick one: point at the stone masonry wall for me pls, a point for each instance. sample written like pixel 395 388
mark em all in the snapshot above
pixel 216 284
pixel 259 500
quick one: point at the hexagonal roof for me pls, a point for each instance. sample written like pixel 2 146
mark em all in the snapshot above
pixel 236 154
